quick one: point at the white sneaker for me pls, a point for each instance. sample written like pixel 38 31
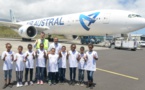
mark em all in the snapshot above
pixel 31 83
pixel 26 83
pixel 18 85
pixel 21 84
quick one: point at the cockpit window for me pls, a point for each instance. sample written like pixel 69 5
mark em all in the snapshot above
pixel 133 15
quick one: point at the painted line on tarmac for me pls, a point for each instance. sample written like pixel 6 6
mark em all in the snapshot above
pixel 115 73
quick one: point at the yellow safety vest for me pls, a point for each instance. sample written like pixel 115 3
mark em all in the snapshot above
pixel 45 42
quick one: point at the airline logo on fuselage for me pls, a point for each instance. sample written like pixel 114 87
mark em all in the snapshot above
pixel 47 22
pixel 91 18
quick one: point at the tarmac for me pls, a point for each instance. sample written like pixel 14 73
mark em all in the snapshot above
pixel 116 69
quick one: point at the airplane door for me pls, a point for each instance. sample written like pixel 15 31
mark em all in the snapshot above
pixel 106 18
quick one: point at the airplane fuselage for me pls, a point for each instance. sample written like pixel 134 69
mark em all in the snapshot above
pixel 99 22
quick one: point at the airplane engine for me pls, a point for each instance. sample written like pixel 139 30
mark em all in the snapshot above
pixel 71 37
pixel 27 31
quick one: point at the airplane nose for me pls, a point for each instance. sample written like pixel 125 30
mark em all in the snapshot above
pixel 141 23
pixel 136 24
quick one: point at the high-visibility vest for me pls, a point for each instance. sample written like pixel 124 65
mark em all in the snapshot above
pixel 45 42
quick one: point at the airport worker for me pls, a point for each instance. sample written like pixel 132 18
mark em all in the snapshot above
pixel 41 57
pixel 91 58
pixel 7 57
pixel 81 66
pixel 30 57
pixel 52 66
pixel 57 47
pixel 19 59
pixel 37 46
pixel 62 64
pixel 73 57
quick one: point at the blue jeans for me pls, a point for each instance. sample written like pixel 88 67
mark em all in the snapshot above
pixel 72 73
pixel 90 75
pixel 8 74
pixel 19 76
pixel 62 74
pixel 40 73
pixel 81 75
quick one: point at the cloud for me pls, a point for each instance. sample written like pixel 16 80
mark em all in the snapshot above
pixel 31 9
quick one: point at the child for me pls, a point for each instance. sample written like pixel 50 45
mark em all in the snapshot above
pixel 19 59
pixel 73 63
pixel 29 56
pixel 52 66
pixel 41 57
pixel 81 65
pixel 62 64
pixel 91 57
pixel 7 57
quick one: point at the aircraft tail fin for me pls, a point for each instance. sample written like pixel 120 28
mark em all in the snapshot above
pixel 12 17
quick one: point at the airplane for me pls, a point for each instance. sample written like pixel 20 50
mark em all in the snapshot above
pixel 97 22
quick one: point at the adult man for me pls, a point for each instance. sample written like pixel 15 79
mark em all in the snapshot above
pixel 42 40
pixel 37 46
pixel 57 47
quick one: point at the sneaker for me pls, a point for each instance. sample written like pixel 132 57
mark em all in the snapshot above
pixel 49 82
pixel 31 83
pixel 5 86
pixel 18 85
pixel 77 83
pixel 26 83
pixel 81 84
pixel 38 82
pixel 41 82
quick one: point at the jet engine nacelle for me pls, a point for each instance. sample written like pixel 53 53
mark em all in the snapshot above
pixel 27 31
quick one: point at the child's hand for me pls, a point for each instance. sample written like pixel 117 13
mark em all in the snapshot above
pixel 5 55
pixel 33 55
pixel 68 52
pixel 44 53
pixel 94 56
pixel 27 55
pixel 24 60
pixel 79 57
pixel 12 57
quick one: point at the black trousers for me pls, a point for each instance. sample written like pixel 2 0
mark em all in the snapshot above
pixel 26 74
pixel 72 74
pixel 52 77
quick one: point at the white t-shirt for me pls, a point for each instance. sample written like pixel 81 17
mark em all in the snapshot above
pixel 62 60
pixel 20 61
pixel 53 63
pixel 91 62
pixel 57 47
pixel 8 63
pixel 30 60
pixel 81 63
pixel 73 59
pixel 40 62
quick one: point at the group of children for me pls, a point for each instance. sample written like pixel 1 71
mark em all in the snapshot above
pixel 56 63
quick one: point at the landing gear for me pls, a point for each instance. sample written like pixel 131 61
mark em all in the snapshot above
pixel 25 39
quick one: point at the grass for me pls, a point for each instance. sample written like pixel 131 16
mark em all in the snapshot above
pixel 6 32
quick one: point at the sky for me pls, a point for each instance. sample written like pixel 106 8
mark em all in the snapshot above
pixel 32 9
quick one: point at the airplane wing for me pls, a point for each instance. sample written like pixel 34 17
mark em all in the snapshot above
pixel 17 26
